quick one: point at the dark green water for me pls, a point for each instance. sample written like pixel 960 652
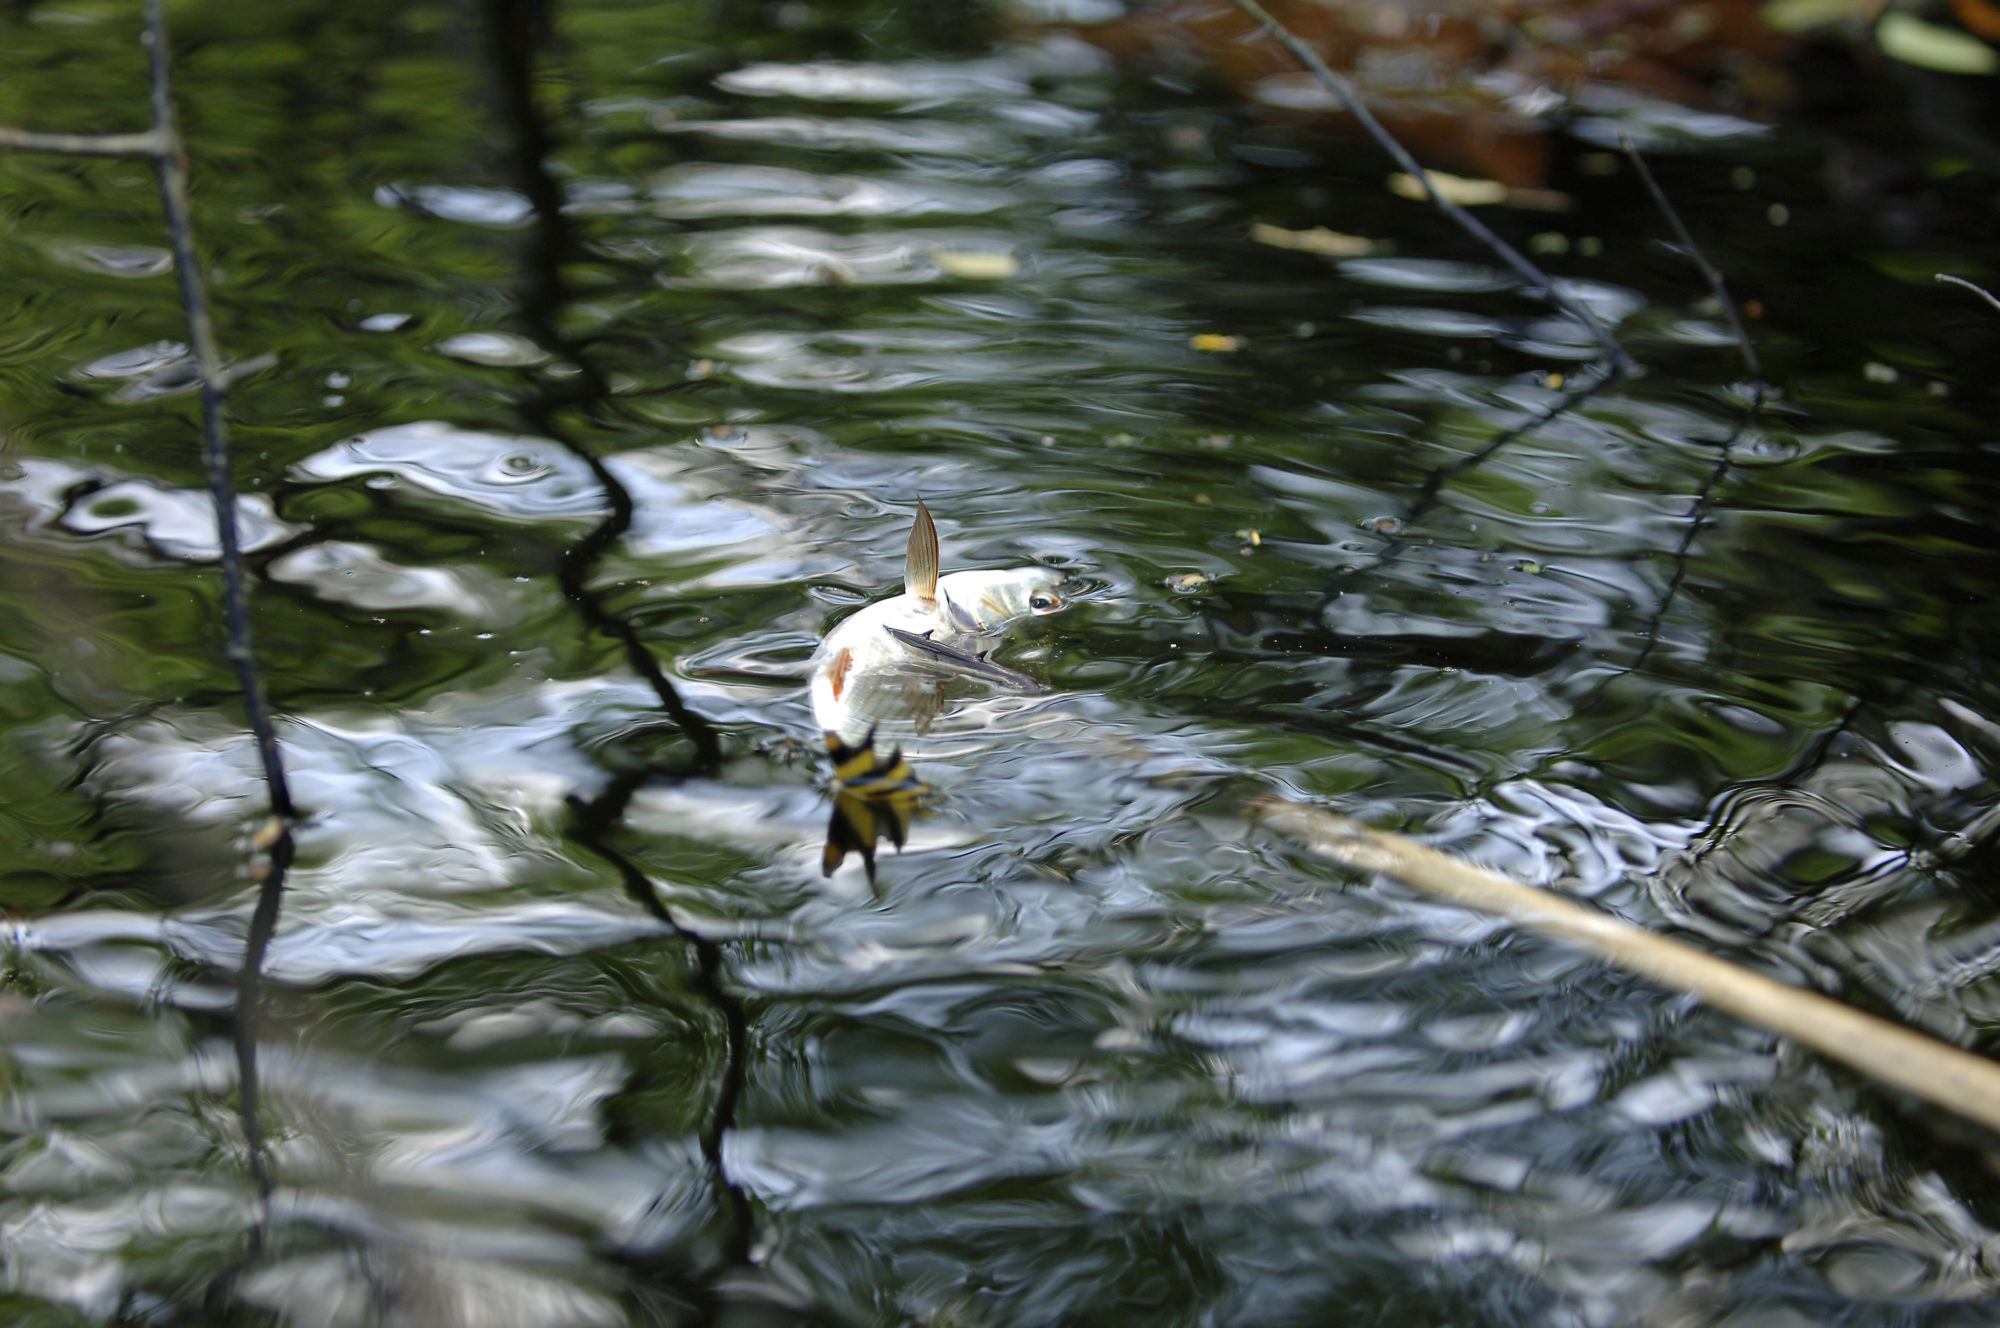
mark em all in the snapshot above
pixel 1099 1049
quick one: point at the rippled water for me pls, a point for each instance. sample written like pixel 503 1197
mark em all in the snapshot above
pixel 561 1027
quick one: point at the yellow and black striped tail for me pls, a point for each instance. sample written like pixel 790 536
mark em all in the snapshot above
pixel 873 798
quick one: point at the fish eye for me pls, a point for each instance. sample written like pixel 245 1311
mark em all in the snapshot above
pixel 1044 603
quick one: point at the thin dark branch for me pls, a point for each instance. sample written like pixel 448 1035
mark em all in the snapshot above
pixel 162 143
pixel 1716 285
pixel 1537 281
pixel 250 999
pixel 1980 291
pixel 1433 486
pixel 1704 503
pixel 515 30
pixel 592 826
pixel 172 164
pixel 151 143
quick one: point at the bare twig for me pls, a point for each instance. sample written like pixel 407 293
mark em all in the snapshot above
pixel 1980 291
pixel 171 162
pixel 1537 281
pixel 1939 1073
pixel 172 165
pixel 1716 285
pixel 151 143
pixel 162 143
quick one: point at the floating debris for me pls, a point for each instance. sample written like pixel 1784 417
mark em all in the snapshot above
pixel 1318 240
pixel 976 265
pixel 1467 192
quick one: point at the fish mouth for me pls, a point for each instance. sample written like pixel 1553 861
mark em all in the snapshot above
pixel 977 666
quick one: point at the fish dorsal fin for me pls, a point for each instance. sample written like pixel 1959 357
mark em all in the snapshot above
pixel 920 578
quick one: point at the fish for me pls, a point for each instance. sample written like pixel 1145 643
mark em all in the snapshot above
pixel 894 656
pixel 873 798
pixel 939 627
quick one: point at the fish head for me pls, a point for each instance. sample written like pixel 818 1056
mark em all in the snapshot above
pixel 984 601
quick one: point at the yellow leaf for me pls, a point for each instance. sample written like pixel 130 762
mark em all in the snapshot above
pixel 1452 188
pixel 1478 193
pixel 976 265
pixel 1318 240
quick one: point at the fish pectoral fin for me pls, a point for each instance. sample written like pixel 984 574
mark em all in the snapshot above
pixel 920 576
pixel 924 699
pixel 977 666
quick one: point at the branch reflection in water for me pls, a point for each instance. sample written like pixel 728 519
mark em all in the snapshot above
pixel 513 31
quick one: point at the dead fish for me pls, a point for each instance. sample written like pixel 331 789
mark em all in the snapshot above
pixel 895 654
pixel 940 626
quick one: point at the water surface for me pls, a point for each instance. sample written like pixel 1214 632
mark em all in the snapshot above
pixel 561 1026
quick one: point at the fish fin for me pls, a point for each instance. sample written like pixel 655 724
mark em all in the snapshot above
pixel 920 577
pixel 977 666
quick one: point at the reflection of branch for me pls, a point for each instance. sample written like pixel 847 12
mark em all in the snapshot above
pixel 1434 483
pixel 1704 502
pixel 1536 280
pixel 594 821
pixel 514 28
pixel 162 143
pixel 1716 285
pixel 250 998
pixel 1939 1073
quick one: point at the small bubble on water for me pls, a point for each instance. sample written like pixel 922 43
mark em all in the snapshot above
pixel 484 636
